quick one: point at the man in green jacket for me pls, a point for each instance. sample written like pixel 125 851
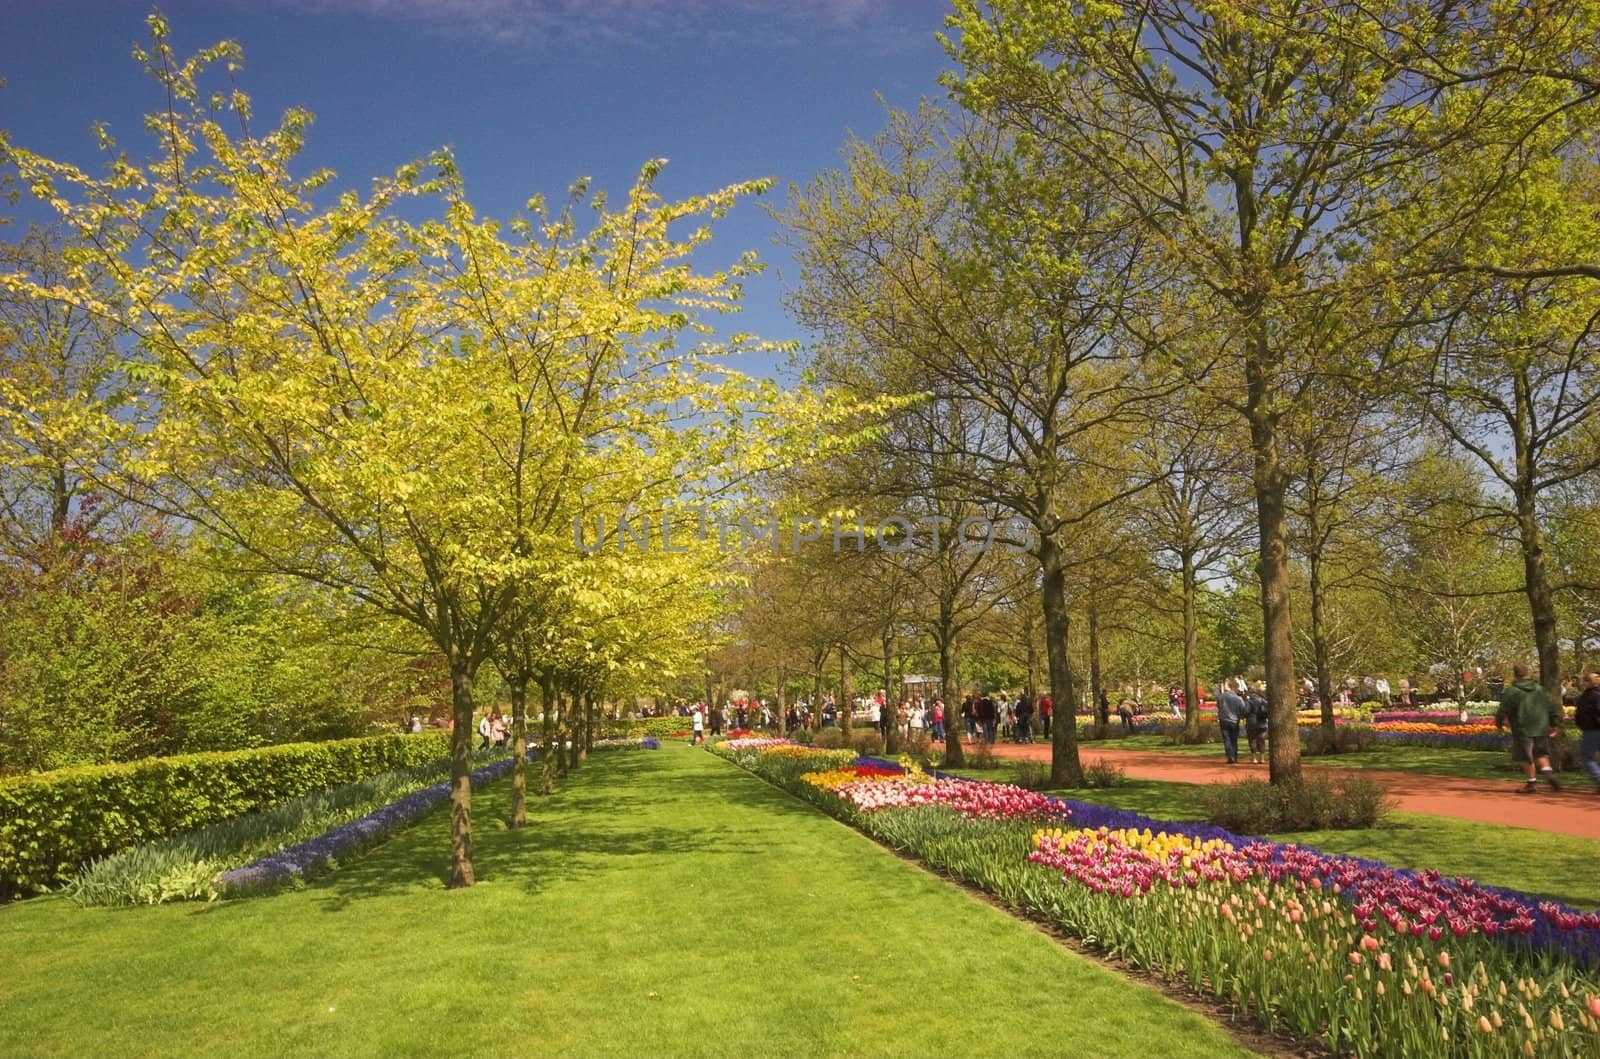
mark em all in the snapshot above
pixel 1534 718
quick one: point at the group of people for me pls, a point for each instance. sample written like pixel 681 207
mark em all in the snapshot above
pixel 1239 705
pixel 1012 718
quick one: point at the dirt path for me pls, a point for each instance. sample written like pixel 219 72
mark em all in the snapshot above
pixel 1575 811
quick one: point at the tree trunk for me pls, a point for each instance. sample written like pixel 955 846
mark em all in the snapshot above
pixel 563 733
pixel 1541 603
pixel 1102 712
pixel 461 674
pixel 844 680
pixel 1032 661
pixel 1191 649
pixel 891 737
pixel 1319 645
pixel 1272 565
pixel 580 715
pixel 547 735
pixel 950 689
pixel 519 749
pixel 818 661
pixel 1065 768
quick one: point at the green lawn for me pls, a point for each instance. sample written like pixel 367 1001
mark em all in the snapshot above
pixel 1518 858
pixel 664 903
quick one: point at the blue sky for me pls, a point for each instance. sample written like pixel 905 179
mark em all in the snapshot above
pixel 530 94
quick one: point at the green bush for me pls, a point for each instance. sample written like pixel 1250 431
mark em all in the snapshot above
pixel 1176 735
pixel 1347 739
pixel 1309 803
pixel 186 866
pixel 829 739
pixel 1102 774
pixel 1094 733
pixel 867 743
pixel 1033 775
pixel 639 727
pixel 53 822
pixel 980 755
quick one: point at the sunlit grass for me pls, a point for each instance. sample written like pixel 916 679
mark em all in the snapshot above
pixel 663 903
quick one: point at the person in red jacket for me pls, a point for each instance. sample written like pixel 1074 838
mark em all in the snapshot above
pixel 1047 708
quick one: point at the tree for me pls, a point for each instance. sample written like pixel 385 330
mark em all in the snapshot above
pixel 1250 145
pixel 1455 577
pixel 1508 368
pixel 1194 519
pixel 934 252
pixel 403 412
pixel 59 383
pixel 1339 453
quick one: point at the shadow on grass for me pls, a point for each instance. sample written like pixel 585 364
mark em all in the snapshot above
pixel 614 812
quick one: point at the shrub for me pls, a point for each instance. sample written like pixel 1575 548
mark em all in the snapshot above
pixel 924 750
pixel 186 866
pixel 1033 775
pixel 53 822
pixel 867 743
pixel 980 755
pixel 1103 774
pixel 1177 735
pixel 1309 803
pixel 1093 733
pixel 640 727
pixel 829 739
pixel 1347 739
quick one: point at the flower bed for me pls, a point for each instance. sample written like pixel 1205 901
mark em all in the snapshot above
pixel 1372 960
pixel 1467 737
pixel 295 862
pixel 1476 726
pixel 647 743
pixel 874 787
pixel 1441 716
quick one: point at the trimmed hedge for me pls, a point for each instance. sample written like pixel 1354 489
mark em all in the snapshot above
pixel 51 823
pixel 640 727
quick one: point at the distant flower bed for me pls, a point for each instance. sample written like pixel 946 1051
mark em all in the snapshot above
pixel 293 863
pixel 1476 726
pixel 872 787
pixel 1462 738
pixel 745 742
pixel 1440 716
pixel 647 743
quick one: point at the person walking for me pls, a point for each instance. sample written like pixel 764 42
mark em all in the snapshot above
pixel 1534 718
pixel 1024 726
pixel 1230 707
pixel 1046 708
pixel 1587 716
pixel 698 718
pixel 986 717
pixel 1255 723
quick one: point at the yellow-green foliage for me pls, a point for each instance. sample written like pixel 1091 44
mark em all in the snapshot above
pixel 53 822
pixel 639 727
